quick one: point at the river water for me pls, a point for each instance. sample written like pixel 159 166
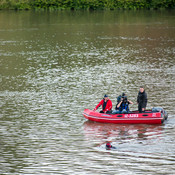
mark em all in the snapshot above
pixel 54 65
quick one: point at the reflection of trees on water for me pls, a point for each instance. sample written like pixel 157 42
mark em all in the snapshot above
pixel 13 155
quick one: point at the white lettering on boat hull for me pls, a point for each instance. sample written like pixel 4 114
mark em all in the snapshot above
pixel 131 115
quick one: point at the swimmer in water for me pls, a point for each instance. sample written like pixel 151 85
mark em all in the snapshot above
pixel 109 146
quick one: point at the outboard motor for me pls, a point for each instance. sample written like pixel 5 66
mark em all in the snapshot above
pixel 159 109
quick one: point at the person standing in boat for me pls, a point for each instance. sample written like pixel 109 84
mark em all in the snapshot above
pixel 123 106
pixel 106 105
pixel 142 99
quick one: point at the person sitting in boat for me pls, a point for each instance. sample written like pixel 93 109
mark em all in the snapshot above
pixel 106 105
pixel 119 100
pixel 123 105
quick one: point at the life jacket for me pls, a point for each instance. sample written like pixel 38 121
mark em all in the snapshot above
pixel 124 106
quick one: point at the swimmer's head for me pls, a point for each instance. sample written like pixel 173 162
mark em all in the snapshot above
pixel 108 145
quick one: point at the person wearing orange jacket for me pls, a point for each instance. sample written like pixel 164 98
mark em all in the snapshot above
pixel 106 105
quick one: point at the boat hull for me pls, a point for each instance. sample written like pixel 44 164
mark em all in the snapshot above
pixel 148 117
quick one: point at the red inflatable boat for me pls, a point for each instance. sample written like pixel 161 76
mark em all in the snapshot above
pixel 156 116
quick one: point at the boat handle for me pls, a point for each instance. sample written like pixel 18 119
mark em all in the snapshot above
pixel 119 115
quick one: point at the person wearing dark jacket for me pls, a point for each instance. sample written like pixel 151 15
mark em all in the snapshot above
pixel 142 99
pixel 123 106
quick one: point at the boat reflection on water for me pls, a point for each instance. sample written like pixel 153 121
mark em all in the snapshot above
pixel 121 133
